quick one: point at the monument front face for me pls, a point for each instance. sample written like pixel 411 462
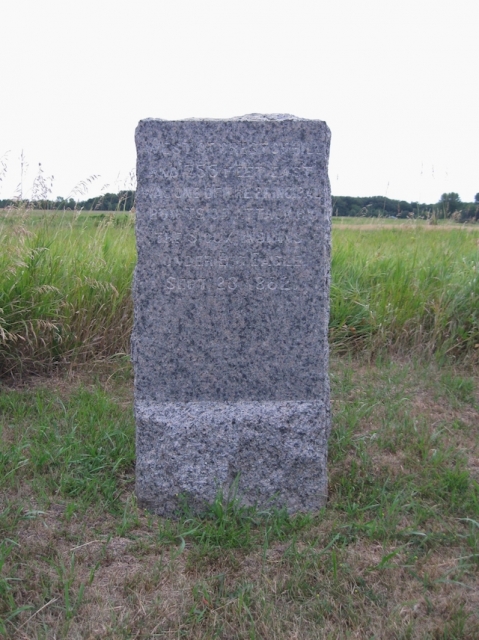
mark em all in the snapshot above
pixel 231 310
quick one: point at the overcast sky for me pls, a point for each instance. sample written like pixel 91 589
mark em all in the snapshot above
pixel 397 81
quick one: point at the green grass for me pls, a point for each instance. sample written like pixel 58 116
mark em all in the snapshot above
pixel 395 554
pixel 65 289
pixel 64 451
pixel 396 287
pixel 66 280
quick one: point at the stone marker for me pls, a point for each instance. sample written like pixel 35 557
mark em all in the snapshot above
pixel 231 297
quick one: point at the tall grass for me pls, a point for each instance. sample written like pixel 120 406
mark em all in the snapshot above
pixel 64 288
pixel 408 287
pixel 65 282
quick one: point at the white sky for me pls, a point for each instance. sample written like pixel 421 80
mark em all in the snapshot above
pixel 396 80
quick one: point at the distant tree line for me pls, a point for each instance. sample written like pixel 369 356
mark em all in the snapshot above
pixel 449 206
pixel 122 201
pixel 375 207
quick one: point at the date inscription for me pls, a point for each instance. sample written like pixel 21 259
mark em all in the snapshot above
pixel 262 284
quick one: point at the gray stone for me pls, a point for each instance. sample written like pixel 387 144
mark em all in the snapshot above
pixel 231 295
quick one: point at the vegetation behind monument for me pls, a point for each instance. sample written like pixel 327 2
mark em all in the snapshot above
pixel 66 278
pixel 449 206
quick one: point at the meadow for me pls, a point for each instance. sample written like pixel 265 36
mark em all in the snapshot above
pixel 395 553
pixel 66 277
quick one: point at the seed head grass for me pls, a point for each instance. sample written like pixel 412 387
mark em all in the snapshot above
pixel 397 287
pixel 65 289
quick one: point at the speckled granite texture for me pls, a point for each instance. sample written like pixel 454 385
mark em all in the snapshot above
pixel 231 297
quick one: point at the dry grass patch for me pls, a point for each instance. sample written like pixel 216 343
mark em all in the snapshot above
pixel 395 555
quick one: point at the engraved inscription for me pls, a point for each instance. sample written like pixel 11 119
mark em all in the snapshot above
pixel 267 284
pixel 237 149
pixel 223 260
pixel 250 214
pixel 255 193
pixel 259 284
pixel 227 283
pixel 237 170
pixel 199 238
pixel 226 193
pixel 265 189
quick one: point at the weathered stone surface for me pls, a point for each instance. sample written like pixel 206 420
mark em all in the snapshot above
pixel 231 299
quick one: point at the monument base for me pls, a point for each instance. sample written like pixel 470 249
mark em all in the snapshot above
pixel 192 450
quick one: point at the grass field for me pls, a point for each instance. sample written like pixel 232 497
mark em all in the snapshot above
pixel 396 286
pixel 394 555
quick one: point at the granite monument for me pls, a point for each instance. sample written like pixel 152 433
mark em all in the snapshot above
pixel 231 295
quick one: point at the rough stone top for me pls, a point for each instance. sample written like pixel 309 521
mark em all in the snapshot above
pixel 250 117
